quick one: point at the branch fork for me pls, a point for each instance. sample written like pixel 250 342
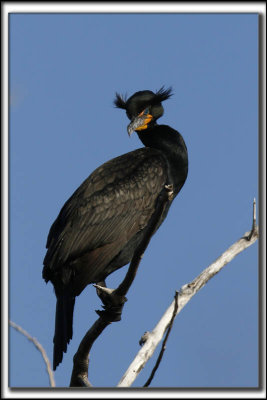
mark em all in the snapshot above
pixel 254 230
pixel 150 340
pixel 116 298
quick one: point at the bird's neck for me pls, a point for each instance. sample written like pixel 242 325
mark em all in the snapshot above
pixel 171 144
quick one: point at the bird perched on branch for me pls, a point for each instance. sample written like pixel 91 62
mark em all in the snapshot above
pixel 103 222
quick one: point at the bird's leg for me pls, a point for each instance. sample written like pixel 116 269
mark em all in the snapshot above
pixel 112 303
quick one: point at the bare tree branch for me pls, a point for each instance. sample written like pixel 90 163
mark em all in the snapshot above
pixel 253 221
pixel 81 359
pixel 185 294
pixel 40 348
pixel 163 347
pixel 79 377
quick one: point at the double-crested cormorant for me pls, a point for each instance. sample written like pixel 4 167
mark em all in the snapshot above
pixel 101 225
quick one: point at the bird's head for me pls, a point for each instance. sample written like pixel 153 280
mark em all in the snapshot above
pixel 143 108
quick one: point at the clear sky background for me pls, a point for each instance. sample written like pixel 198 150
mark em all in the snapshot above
pixel 64 72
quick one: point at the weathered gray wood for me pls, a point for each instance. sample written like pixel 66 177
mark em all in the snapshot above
pixel 185 294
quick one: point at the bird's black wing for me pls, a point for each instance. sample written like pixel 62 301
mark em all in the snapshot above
pixel 106 211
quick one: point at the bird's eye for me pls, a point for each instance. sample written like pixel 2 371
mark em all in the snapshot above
pixel 146 111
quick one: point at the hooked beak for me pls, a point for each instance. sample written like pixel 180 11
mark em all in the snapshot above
pixel 139 123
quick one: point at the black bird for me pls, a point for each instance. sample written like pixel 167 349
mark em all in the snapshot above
pixel 101 225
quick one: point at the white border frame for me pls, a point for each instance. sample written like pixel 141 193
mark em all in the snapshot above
pixel 109 7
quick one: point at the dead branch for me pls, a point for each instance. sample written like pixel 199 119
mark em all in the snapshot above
pixel 81 359
pixel 79 377
pixel 40 348
pixel 163 347
pixel 185 294
pixel 253 221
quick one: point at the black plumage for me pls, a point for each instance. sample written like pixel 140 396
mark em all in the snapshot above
pixel 100 226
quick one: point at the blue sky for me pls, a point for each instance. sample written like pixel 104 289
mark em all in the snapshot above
pixel 64 72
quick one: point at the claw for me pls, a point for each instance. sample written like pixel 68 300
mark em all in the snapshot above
pixel 112 303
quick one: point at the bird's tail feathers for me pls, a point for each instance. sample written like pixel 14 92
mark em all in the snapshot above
pixel 63 326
